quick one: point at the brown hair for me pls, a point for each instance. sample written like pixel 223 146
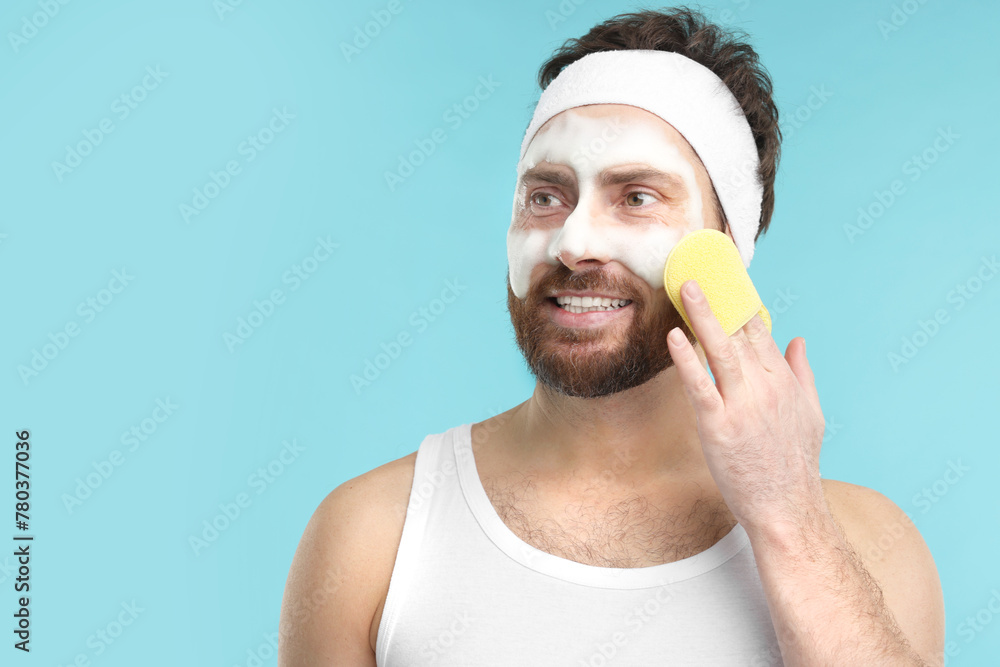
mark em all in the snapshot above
pixel 725 52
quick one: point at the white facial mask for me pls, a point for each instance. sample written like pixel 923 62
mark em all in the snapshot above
pixel 588 146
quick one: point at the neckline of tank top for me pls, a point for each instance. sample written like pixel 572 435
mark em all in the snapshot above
pixel 568 570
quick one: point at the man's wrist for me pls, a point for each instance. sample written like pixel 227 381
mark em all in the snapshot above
pixel 810 526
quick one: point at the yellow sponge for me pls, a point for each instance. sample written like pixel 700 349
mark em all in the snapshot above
pixel 711 258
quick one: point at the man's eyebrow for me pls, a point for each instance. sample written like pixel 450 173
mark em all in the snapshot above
pixel 641 174
pixel 608 178
pixel 547 175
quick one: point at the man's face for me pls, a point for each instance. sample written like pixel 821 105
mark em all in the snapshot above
pixel 604 193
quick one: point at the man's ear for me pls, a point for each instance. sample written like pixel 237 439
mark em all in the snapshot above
pixel 720 218
pixel 726 227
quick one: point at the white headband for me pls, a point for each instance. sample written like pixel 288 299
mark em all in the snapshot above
pixel 685 94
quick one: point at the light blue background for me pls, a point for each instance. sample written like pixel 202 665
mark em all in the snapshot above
pixel 896 430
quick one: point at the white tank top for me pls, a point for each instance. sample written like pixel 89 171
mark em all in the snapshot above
pixel 465 590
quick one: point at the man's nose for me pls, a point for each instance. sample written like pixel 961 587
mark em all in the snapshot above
pixel 582 239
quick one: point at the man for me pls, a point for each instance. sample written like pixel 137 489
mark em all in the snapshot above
pixel 633 510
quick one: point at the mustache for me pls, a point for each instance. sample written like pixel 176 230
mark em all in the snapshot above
pixel 596 279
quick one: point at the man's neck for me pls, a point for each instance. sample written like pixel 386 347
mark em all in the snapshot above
pixel 642 437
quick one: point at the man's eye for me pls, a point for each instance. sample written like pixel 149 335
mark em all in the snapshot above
pixel 632 197
pixel 544 199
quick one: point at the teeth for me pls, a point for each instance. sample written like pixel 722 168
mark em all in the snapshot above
pixel 576 304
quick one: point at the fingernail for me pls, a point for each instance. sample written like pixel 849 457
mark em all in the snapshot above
pixel 676 336
pixel 692 289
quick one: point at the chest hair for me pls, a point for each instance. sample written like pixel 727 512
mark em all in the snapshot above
pixel 625 532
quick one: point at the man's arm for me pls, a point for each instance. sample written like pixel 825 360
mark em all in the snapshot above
pixel 761 428
pixel 857 586
pixel 341 570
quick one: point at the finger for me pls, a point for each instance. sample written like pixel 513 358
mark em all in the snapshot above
pixel 721 352
pixel 797 361
pixel 697 382
pixel 762 342
pixel 744 350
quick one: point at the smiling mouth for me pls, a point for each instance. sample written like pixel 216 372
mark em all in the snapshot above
pixel 576 304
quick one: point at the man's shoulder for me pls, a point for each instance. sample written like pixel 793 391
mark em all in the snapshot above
pixel 375 501
pixel 869 519
pixel 853 503
pixel 347 553
pixel 370 506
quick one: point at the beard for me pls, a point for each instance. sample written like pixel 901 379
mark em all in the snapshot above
pixel 589 362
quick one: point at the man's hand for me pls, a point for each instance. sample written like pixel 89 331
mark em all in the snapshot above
pixel 761 428
pixel 760 422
